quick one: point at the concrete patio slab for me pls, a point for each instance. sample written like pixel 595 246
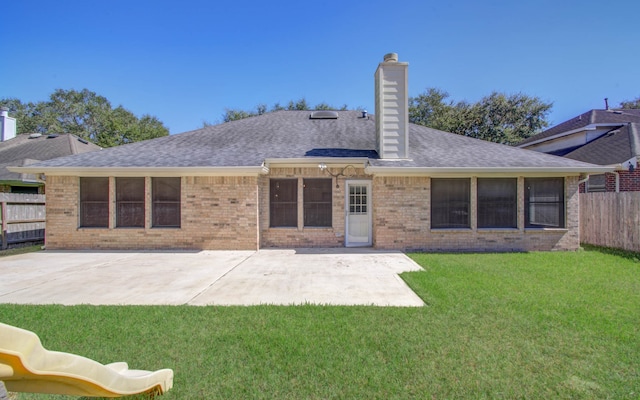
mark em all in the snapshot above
pixel 282 277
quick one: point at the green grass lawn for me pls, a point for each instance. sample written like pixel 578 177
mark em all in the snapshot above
pixel 535 326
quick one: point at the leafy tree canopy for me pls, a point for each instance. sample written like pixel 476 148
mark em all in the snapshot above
pixel 299 105
pixel 628 104
pixel 86 115
pixel 500 118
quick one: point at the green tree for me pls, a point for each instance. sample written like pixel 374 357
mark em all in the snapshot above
pixel 629 104
pixel 500 118
pixel 86 115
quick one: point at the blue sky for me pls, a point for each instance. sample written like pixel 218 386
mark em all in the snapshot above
pixel 186 62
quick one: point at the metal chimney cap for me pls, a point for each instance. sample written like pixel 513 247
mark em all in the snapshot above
pixel 391 57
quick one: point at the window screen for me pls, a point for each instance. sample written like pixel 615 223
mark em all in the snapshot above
pixel 450 200
pixel 497 203
pixel 544 202
pixel 94 202
pixel 283 205
pixel 317 202
pixel 130 202
pixel 165 196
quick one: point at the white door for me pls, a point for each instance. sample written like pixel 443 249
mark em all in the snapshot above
pixel 358 210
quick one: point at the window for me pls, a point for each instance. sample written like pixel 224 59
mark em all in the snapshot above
pixel 317 202
pixel 544 202
pixel 497 203
pixel 94 202
pixel 597 183
pixel 130 202
pixel 165 196
pixel 283 196
pixel 450 200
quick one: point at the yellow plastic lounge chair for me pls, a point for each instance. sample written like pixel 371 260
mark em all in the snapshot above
pixel 26 366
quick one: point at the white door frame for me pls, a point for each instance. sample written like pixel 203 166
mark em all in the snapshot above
pixel 369 214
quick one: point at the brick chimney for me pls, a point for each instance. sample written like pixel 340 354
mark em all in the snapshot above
pixel 392 108
pixel 7 125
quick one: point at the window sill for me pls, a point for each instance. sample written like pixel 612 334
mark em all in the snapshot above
pixel 451 230
pixel 550 230
pixel 498 230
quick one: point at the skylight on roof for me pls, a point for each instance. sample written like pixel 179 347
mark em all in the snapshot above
pixel 323 114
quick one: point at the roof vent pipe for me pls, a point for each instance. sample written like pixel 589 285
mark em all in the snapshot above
pixel 391 57
pixel 364 113
pixel 606 103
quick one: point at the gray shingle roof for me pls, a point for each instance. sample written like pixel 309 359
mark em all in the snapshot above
pixel 28 149
pixel 292 134
pixel 621 116
pixel 614 147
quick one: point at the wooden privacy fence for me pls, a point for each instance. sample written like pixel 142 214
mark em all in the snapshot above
pixel 23 217
pixel 611 219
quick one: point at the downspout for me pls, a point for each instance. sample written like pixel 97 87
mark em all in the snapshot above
pixel 581 181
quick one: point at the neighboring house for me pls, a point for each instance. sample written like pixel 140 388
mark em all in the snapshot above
pixel 316 179
pixel 26 149
pixel 604 137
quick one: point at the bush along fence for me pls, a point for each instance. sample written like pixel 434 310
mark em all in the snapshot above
pixel 23 218
pixel 611 220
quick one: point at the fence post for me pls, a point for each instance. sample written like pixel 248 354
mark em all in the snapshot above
pixel 3 215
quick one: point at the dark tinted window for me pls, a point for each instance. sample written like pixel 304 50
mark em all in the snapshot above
pixel 94 202
pixel 165 196
pixel 450 200
pixel 544 202
pixel 497 203
pixel 283 194
pixel 317 202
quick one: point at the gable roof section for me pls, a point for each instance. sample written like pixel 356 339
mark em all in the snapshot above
pixel 26 149
pixel 280 136
pixel 592 117
pixel 616 146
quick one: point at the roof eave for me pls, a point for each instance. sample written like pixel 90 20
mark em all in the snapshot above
pixel 315 161
pixel 144 171
pixel 486 171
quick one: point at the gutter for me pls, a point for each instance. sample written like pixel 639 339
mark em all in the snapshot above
pixel 473 171
pixel 144 171
pixel 315 161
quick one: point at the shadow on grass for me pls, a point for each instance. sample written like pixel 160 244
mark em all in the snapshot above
pixel 629 255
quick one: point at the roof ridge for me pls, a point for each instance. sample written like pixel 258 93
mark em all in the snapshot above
pixel 72 148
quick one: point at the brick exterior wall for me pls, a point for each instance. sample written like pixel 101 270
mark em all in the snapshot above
pixel 402 213
pixel 233 213
pixel 303 236
pixel 629 181
pixel 216 213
